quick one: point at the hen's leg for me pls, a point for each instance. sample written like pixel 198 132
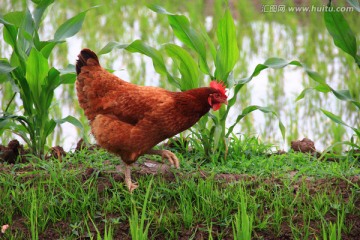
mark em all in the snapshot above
pixel 165 154
pixel 131 186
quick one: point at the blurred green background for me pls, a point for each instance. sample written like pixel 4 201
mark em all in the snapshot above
pixel 265 28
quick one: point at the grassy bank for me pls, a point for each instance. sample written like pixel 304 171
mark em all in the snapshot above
pixel 251 193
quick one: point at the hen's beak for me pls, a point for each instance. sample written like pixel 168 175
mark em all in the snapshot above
pixel 225 101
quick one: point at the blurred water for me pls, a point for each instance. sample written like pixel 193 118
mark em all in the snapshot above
pixel 291 38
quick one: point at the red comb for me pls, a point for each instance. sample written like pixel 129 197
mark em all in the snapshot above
pixel 219 86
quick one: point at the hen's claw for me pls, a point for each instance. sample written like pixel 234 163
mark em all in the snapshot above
pixel 131 186
pixel 171 157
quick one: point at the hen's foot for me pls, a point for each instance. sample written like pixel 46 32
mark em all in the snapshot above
pixel 131 186
pixel 171 157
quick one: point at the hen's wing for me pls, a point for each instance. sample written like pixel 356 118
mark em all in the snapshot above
pixel 104 93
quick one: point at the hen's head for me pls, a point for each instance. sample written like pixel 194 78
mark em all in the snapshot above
pixel 218 97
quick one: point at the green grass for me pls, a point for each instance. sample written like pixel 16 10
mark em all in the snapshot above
pixel 292 195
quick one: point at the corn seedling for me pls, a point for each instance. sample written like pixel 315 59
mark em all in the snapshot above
pixel 33 78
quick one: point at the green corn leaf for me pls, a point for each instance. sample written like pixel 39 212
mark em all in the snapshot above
pixel 232 100
pixel 27 126
pixel 252 108
pixel 52 81
pixel 217 135
pixel 68 75
pixel 72 120
pixel 182 30
pixel 187 66
pixel 341 33
pixel 315 76
pixel 275 63
pixel 343 95
pixel 302 94
pixel 228 52
pixel 7 123
pixel 334 117
pixel 39 11
pixel 185 33
pixel 355 4
pixel 256 72
pixel 5 69
pixel 5 66
pixel 4 78
pixel 319 88
pixel 28 23
pixel 110 46
pixel 70 68
pixel 70 27
pixel 46 47
pixel 15 18
pixel 10 32
pixel 210 43
pixel 158 9
pixel 158 61
pixel 25 92
pixel 68 78
pixel 48 128
pixel 36 71
pixel 323 88
pixel 139 46
pixel 337 119
pixel 26 32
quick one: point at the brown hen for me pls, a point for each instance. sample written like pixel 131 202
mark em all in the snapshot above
pixel 129 120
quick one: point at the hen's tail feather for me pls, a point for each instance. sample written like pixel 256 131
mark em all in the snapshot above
pixel 83 58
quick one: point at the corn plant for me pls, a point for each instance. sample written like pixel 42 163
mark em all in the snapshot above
pixel 32 77
pixel 345 39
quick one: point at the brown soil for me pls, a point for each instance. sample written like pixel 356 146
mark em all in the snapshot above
pixel 14 151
